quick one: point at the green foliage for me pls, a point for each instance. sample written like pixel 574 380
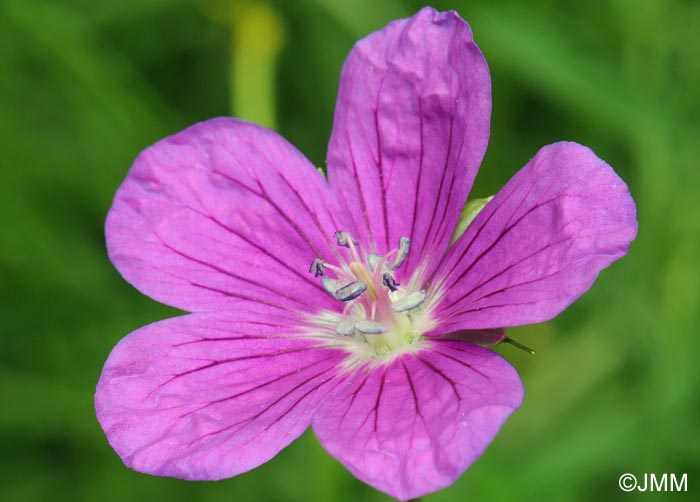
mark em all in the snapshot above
pixel 86 85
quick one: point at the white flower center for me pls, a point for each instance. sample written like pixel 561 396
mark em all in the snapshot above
pixel 378 310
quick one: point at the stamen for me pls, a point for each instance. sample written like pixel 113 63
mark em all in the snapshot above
pixel 401 254
pixel 345 327
pixel 344 238
pixel 389 281
pixel 371 327
pixel 409 302
pixel 330 285
pixel 377 310
pixel 373 260
pixel 317 267
pixel 351 291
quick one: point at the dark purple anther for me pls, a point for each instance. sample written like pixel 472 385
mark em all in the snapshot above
pixel 351 291
pixel 343 238
pixel 389 281
pixel 317 267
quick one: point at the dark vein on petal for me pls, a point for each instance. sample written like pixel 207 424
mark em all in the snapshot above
pixel 510 267
pixel 243 297
pixel 236 276
pixel 265 196
pixel 463 363
pixel 275 379
pixel 236 181
pixel 313 216
pixel 225 339
pixel 379 397
pixel 493 211
pixel 354 396
pixel 259 248
pixel 417 409
pixel 418 181
pixel 225 361
pixel 438 194
pixel 227 293
pixel 358 187
pixel 291 223
pixel 294 405
pixel 248 420
pixel 441 374
pixel 364 421
pixel 517 207
pixel 380 166
pixel 453 319
pixel 241 322
pixel 498 239
pixel 298 401
pixel 442 226
pixel 413 391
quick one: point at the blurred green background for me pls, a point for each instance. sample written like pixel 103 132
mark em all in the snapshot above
pixel 85 86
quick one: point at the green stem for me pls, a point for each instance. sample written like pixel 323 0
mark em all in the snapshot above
pixel 257 39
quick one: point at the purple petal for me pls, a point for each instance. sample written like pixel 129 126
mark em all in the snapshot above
pixel 411 127
pixel 210 396
pixel 539 244
pixel 414 426
pixel 222 212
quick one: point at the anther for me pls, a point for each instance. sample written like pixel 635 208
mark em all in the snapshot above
pixel 389 281
pixel 330 285
pixel 402 253
pixel 351 291
pixel 317 267
pixel 371 327
pixel 345 327
pixel 409 302
pixel 344 238
pixel 373 260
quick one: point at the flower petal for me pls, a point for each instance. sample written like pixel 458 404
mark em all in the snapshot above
pixel 411 128
pixel 414 426
pixel 538 245
pixel 222 212
pixel 208 396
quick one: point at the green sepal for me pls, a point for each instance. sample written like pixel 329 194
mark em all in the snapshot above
pixel 469 212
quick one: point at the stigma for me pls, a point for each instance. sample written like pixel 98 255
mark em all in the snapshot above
pixel 377 309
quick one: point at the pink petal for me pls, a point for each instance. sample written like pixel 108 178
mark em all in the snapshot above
pixel 411 127
pixel 414 426
pixel 539 244
pixel 208 396
pixel 222 212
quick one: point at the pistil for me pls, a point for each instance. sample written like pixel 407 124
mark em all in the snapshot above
pixel 361 272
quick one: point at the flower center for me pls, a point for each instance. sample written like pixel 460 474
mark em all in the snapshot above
pixel 377 309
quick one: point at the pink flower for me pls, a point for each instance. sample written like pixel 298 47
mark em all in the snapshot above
pixel 341 304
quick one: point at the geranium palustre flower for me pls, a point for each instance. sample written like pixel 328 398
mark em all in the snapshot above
pixel 341 304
